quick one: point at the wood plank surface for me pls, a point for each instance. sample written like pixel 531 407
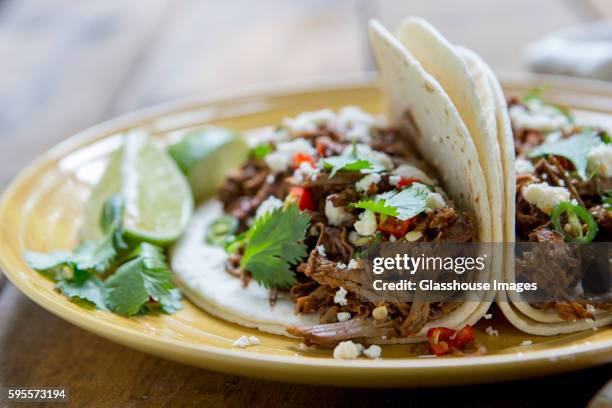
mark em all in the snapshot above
pixel 67 65
pixel 39 349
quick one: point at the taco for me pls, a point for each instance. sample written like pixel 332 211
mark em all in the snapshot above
pixel 562 180
pixel 279 248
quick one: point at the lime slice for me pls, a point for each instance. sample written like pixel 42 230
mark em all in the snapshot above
pixel 206 156
pixel 158 200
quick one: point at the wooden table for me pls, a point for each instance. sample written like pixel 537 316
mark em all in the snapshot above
pixel 67 65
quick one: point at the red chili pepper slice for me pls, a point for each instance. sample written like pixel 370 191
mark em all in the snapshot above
pixel 304 198
pixel 407 181
pixel 395 226
pixel 300 158
pixel 463 337
pixel 442 340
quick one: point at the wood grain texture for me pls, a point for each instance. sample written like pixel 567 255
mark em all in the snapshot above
pixel 207 46
pixel 39 349
pixel 62 62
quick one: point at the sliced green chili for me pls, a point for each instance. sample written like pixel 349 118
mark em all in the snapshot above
pixel 576 215
pixel 222 230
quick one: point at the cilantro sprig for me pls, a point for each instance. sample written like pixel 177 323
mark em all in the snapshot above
pixel 274 244
pixel 574 149
pixel 403 204
pixel 109 274
pixel 345 163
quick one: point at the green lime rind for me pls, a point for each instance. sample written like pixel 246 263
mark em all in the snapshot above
pixel 206 155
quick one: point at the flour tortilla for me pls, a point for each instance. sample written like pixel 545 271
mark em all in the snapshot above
pixel 474 104
pixel 417 101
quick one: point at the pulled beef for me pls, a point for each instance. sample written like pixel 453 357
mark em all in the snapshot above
pixel 323 273
pixel 328 335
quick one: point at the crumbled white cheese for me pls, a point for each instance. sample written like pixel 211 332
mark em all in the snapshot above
pixel 268 205
pixel 254 340
pixel 366 152
pixel 392 238
pixel 354 237
pixel 363 185
pixel 341 265
pixel 526 343
pixel 335 215
pixel 599 159
pixel 270 179
pixel 394 180
pixel 590 308
pixel 544 196
pixel 380 313
pixel 343 316
pixel 373 351
pixel 522 166
pixel 409 171
pixel 298 176
pixel 488 316
pixel 282 157
pixel 310 121
pixel 347 350
pixel 321 250
pixel 491 332
pixel 366 225
pixel 413 236
pixel 246 341
pixel 340 297
pixel 357 124
pixel 435 202
pixel 538 116
pixel 353 264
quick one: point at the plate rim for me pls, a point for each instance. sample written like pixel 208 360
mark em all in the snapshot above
pixel 88 320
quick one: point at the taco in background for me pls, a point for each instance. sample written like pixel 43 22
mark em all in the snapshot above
pixel 562 176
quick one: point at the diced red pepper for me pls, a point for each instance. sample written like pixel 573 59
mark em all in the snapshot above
pixel 395 226
pixel 304 198
pixel 321 149
pixel 407 181
pixel 300 158
pixel 443 340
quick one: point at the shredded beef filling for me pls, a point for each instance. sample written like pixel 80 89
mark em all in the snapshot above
pixel 319 276
pixel 533 225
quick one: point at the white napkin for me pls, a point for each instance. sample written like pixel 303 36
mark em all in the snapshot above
pixel 584 50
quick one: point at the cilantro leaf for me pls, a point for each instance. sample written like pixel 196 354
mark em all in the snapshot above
pixel 274 244
pixel 378 206
pixel 51 264
pixel 91 290
pixel 138 285
pixel 345 163
pixel 535 95
pixel 145 277
pixel 403 204
pixel 95 255
pixel 260 151
pixel 574 149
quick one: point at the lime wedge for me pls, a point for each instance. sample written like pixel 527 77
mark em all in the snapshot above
pixel 158 200
pixel 206 156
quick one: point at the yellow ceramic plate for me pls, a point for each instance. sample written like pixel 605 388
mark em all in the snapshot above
pixel 41 211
